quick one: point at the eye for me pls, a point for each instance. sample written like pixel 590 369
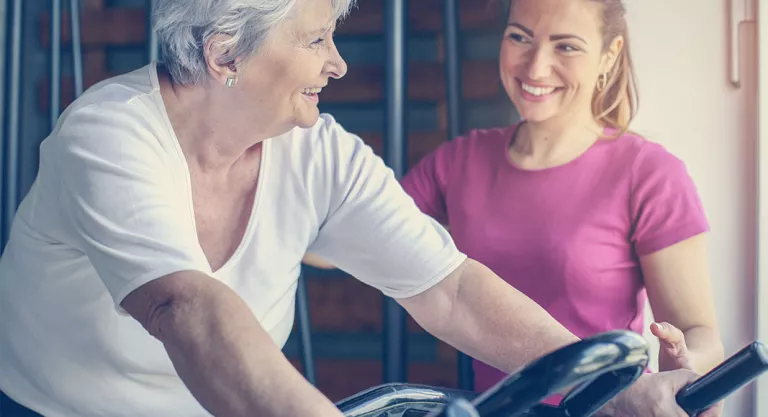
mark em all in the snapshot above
pixel 317 41
pixel 567 48
pixel 517 37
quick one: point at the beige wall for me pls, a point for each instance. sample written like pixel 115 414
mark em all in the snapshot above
pixel 762 290
pixel 687 104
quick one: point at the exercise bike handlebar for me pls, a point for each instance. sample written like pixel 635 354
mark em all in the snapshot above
pixel 737 371
pixel 728 377
pixel 599 367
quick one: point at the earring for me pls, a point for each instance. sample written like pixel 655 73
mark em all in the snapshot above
pixel 602 81
pixel 231 81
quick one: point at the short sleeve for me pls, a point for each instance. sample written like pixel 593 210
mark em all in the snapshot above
pixel 427 180
pixel 373 230
pixel 665 204
pixel 121 203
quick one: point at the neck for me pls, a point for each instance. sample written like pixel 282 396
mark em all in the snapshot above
pixel 554 141
pixel 208 126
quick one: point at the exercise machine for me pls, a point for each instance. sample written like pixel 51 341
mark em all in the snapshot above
pixel 591 371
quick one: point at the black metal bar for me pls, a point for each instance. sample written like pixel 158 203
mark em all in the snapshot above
pixel 12 120
pixel 451 30
pixel 55 61
pixel 305 331
pixel 395 339
pixel 453 88
pixel 77 46
pixel 152 47
pixel 4 76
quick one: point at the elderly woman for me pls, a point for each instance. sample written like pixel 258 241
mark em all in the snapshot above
pixel 152 267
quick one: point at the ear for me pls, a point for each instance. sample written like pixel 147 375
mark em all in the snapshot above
pixel 612 54
pixel 220 67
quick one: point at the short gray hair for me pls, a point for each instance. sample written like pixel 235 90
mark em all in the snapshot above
pixel 184 26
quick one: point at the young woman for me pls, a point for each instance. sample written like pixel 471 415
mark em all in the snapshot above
pixel 570 207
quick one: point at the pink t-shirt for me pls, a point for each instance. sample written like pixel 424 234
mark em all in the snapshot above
pixel 569 237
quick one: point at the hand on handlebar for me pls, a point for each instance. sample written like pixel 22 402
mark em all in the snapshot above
pixel 674 354
pixel 653 395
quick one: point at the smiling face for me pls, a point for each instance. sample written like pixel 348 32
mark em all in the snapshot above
pixel 551 57
pixel 283 80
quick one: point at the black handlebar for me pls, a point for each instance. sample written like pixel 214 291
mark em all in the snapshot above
pixel 728 377
pixel 601 366
pixel 706 391
pixel 720 382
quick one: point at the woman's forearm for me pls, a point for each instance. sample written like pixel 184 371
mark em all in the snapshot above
pixel 229 362
pixel 488 319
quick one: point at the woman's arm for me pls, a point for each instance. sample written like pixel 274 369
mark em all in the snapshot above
pixel 220 351
pixel 478 313
pixel 680 293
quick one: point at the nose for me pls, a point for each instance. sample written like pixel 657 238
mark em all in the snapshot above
pixel 539 64
pixel 336 65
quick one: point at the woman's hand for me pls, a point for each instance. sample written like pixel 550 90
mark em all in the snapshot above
pixel 673 352
pixel 653 395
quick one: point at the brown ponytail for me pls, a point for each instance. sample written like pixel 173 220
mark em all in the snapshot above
pixel 616 105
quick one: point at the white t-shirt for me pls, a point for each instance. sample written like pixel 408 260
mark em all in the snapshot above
pixel 111 209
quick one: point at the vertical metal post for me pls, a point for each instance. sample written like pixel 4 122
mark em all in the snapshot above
pixel 453 88
pixel 12 120
pixel 55 61
pixel 152 47
pixel 4 76
pixel 451 31
pixel 395 15
pixel 77 47
pixel 305 332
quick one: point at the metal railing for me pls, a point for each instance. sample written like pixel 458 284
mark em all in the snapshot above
pixel 12 119
pixel 453 91
pixel 395 360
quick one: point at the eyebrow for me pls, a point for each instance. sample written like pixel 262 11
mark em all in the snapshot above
pixel 321 30
pixel 557 37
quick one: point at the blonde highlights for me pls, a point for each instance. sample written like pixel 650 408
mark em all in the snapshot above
pixel 616 104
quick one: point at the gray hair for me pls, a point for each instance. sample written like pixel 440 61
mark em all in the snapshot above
pixel 184 26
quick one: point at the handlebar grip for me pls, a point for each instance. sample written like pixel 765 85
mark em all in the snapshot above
pixel 737 371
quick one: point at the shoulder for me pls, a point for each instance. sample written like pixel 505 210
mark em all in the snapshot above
pixel 654 170
pixel 125 99
pixel 117 117
pixel 652 159
pixel 643 155
pixel 132 90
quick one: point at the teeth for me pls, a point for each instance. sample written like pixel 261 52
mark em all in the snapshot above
pixel 538 91
pixel 312 90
